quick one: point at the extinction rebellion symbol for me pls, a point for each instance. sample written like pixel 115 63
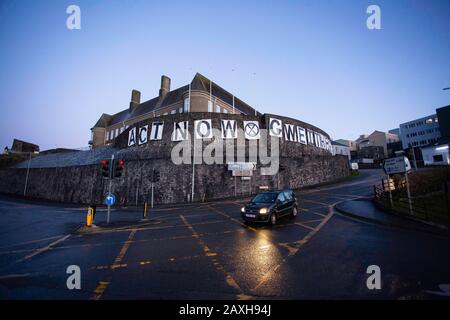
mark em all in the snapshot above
pixel 251 129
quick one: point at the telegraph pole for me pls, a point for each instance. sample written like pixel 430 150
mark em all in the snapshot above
pixel 28 172
pixel 111 166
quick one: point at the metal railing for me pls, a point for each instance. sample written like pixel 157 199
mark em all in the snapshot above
pixel 433 206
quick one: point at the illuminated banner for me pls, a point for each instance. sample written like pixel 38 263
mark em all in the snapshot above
pixel 157 130
pixel 229 129
pixel 180 131
pixel 203 130
pixel 251 130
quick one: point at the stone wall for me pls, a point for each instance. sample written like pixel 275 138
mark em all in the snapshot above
pixel 304 166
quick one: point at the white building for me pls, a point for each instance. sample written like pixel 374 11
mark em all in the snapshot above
pixel 437 153
pixel 341 149
pixel 420 132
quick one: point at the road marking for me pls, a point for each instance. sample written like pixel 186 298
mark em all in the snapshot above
pixel 12 276
pixel 304 225
pixel 311 221
pixel 293 250
pixel 43 249
pixel 319 214
pixel 102 285
pixel 228 277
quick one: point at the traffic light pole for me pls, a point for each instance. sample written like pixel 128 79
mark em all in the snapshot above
pixel 152 195
pixel 111 165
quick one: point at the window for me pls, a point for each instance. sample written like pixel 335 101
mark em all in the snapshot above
pixel 288 195
pixel 121 129
pixel 187 107
pixel 180 110
pixel 429 121
pixel 107 135
pixel 225 110
pixel 111 135
pixel 438 158
pixel 165 114
pixel 217 108
pixel 117 132
pixel 210 108
pixel 281 197
pixel 173 111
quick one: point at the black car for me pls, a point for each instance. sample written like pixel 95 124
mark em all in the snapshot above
pixel 269 206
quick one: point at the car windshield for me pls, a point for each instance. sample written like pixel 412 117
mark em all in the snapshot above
pixel 269 197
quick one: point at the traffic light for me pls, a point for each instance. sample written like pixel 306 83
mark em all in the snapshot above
pixel 105 168
pixel 118 168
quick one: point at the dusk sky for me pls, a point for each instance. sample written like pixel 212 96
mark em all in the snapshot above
pixel 315 61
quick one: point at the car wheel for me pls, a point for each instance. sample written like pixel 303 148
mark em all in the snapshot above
pixel 273 219
pixel 294 212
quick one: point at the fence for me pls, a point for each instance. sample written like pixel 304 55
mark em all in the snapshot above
pixel 433 206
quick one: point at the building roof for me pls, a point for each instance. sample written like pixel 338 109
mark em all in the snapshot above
pixel 335 143
pixel 199 82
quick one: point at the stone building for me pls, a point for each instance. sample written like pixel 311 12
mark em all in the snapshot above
pixel 23 146
pixel 201 95
pixel 201 114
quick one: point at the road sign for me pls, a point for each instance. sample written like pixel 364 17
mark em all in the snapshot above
pixel 396 165
pixel 241 166
pixel 242 173
pixel 110 199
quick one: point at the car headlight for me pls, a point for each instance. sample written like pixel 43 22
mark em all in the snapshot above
pixel 243 209
pixel 263 210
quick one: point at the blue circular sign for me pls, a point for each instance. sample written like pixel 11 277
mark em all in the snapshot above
pixel 110 199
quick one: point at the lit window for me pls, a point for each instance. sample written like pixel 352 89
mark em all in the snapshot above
pixel 225 110
pixel 187 107
pixel 165 114
pixel 429 121
pixel 117 132
pixel 173 111
pixel 217 108
pixel 121 129
pixel 210 106
pixel 180 110
pixel 111 135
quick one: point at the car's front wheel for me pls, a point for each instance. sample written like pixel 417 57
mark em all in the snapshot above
pixel 273 219
pixel 294 212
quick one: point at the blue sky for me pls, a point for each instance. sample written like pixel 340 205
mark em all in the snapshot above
pixel 311 60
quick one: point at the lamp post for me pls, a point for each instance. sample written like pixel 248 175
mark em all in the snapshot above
pixel 28 172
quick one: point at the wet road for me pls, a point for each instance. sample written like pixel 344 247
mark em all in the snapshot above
pixel 204 251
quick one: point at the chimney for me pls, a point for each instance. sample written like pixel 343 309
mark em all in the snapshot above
pixel 165 86
pixel 135 99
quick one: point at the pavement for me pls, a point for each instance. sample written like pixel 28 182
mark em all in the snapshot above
pixel 366 210
pixel 205 251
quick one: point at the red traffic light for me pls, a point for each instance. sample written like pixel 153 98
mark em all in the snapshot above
pixel 120 163
pixel 104 163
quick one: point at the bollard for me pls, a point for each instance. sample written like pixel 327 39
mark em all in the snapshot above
pixel 145 210
pixel 90 216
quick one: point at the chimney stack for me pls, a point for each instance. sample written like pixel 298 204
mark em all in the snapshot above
pixel 135 99
pixel 165 86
